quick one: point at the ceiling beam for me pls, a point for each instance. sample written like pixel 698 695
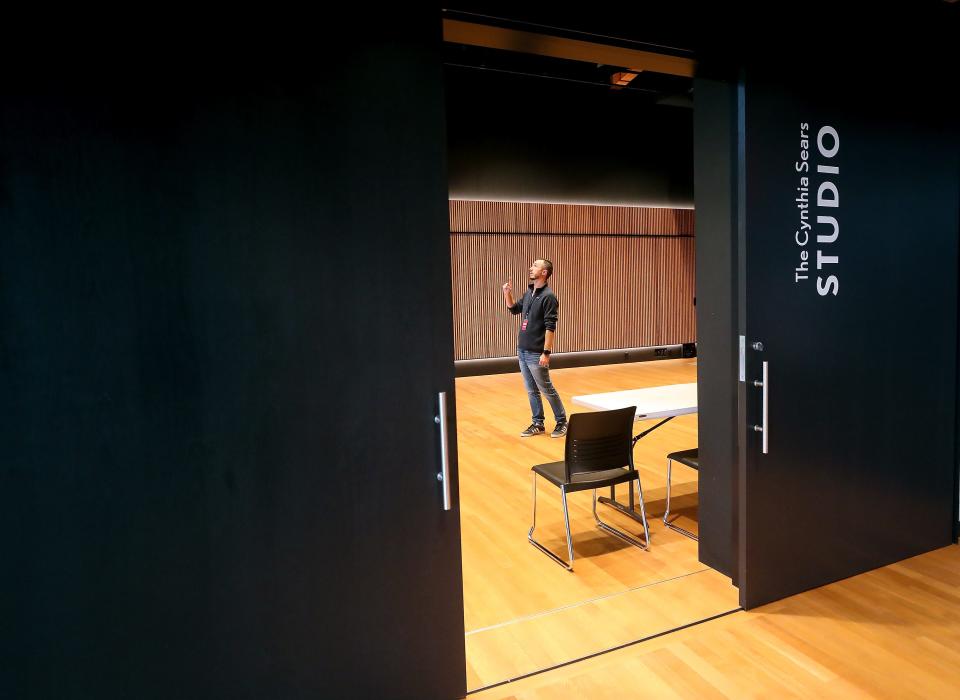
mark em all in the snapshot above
pixel 458 32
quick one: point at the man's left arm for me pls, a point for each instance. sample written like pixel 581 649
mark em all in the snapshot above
pixel 551 309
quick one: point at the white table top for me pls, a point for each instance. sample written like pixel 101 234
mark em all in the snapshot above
pixel 652 402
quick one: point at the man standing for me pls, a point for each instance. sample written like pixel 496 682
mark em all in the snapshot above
pixel 538 324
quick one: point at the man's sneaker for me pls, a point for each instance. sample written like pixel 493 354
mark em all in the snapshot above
pixel 534 429
pixel 560 430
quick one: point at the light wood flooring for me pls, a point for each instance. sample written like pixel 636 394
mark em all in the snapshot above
pixel 889 633
pixel 523 612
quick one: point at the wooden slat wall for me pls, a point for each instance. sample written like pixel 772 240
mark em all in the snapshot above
pixel 468 216
pixel 624 275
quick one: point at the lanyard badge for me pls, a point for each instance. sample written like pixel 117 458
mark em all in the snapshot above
pixel 526 315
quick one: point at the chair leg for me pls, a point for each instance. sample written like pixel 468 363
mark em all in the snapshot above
pixel 561 562
pixel 666 513
pixel 566 521
pixel 620 534
pixel 643 511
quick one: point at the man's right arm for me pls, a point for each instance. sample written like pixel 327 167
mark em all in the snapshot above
pixel 512 304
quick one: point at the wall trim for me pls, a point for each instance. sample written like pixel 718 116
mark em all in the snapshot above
pixel 588 358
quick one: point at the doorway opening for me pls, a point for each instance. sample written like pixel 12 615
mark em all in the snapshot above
pixel 589 163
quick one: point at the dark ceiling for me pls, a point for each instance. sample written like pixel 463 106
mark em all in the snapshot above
pixel 729 32
pixel 658 88
pixel 663 27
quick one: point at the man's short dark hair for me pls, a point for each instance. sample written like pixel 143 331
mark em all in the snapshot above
pixel 548 266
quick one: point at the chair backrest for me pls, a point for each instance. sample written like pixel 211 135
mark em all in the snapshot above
pixel 599 440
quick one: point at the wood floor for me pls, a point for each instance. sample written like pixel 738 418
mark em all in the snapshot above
pixel 523 612
pixel 889 633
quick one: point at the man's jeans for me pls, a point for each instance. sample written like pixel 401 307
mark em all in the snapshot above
pixel 537 379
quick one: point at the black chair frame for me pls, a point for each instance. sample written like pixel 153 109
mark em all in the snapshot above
pixel 690 458
pixel 598 453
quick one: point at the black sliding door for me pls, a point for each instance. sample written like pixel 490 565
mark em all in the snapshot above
pixel 225 327
pixel 849 254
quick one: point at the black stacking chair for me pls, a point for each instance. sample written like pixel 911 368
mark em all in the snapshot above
pixel 598 453
pixel 692 459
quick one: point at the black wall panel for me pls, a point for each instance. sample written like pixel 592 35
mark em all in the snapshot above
pixel 218 473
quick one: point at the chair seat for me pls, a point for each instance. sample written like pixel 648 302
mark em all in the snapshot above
pixel 554 472
pixel 689 457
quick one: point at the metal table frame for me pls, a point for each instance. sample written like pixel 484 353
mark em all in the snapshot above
pixel 666 411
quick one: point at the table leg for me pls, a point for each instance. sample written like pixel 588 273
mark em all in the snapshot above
pixel 612 501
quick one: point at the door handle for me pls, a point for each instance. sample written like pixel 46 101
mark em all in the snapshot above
pixel 444 476
pixel 764 428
